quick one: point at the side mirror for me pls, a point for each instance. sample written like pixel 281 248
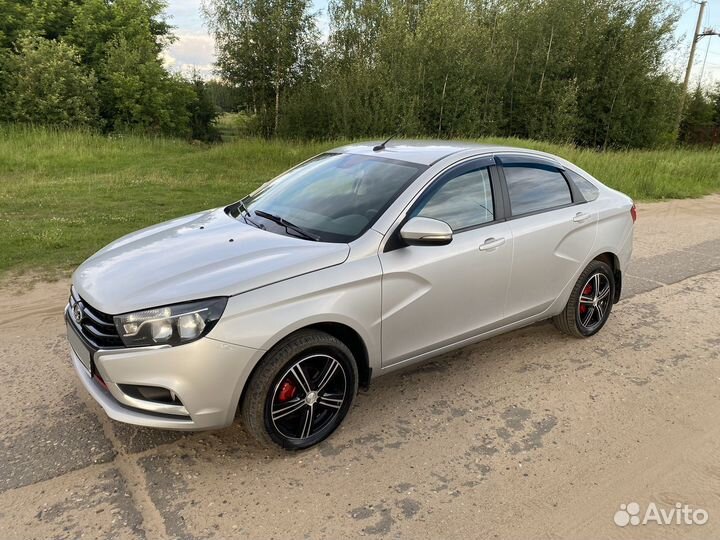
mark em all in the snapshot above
pixel 420 231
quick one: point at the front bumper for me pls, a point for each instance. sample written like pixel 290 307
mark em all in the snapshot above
pixel 206 375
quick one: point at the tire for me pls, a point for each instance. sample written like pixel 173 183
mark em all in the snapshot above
pixel 308 373
pixel 581 308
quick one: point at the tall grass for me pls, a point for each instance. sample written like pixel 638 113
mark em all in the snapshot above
pixel 64 194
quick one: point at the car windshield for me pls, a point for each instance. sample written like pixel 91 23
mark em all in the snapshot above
pixel 331 198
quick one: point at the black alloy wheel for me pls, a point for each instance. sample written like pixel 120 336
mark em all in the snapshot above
pixel 588 308
pixel 301 391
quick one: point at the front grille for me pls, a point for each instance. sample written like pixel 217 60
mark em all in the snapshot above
pixel 97 328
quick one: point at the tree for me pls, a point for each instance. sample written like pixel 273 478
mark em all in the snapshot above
pixel 203 113
pixel 97 23
pixel 47 84
pixel 48 19
pixel 700 122
pixel 222 95
pixel 138 94
pixel 264 47
pixel 12 20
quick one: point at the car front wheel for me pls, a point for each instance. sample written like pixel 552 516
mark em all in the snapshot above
pixel 301 391
pixel 590 303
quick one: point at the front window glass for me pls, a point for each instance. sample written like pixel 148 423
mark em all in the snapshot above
pixel 462 201
pixel 334 197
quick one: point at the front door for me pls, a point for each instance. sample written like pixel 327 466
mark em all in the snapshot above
pixel 434 296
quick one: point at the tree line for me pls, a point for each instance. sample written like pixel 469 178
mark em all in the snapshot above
pixel 701 121
pixel 96 64
pixel 589 72
pixel 583 71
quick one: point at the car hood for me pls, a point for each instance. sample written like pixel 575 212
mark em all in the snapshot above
pixel 197 256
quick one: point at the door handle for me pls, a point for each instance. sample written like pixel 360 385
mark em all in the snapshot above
pixel 580 217
pixel 491 243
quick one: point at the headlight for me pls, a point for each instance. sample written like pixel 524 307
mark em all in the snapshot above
pixel 172 325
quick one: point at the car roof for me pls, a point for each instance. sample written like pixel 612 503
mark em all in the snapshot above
pixel 427 152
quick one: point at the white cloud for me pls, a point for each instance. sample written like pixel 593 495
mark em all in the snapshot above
pixel 191 51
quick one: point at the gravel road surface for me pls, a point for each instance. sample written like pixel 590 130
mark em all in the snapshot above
pixel 530 434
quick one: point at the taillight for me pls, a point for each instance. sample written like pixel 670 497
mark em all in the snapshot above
pixel 633 213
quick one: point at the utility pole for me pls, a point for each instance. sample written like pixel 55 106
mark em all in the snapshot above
pixel 696 37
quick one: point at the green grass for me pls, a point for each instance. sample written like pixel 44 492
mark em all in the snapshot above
pixel 63 195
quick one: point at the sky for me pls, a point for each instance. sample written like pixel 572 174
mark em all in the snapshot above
pixel 194 47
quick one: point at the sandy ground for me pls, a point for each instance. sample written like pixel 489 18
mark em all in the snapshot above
pixel 530 434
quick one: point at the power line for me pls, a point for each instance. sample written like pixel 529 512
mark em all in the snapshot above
pixel 702 71
pixel 707 50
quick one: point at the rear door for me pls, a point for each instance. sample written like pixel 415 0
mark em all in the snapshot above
pixel 553 230
pixel 433 296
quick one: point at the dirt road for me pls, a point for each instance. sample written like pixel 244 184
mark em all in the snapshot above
pixel 531 434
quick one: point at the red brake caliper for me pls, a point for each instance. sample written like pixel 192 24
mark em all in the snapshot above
pixel 287 391
pixel 586 291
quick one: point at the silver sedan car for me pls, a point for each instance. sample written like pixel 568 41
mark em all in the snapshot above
pixel 358 262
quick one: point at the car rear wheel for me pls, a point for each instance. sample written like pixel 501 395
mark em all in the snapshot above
pixel 590 303
pixel 301 391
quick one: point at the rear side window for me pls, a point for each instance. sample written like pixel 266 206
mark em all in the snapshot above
pixel 533 188
pixel 461 201
pixel 588 190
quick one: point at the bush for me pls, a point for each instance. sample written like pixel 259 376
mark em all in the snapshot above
pixel 47 84
pixel 138 94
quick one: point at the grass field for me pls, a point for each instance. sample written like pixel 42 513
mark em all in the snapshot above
pixel 63 195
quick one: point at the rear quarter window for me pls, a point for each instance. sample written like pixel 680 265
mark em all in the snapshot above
pixel 587 188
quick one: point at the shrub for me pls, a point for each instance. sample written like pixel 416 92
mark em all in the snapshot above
pixel 47 84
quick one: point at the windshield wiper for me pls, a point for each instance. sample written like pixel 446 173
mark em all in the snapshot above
pixel 288 226
pixel 245 213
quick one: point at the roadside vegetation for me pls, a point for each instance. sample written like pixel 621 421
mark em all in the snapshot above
pixel 97 64
pixel 594 74
pixel 65 194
